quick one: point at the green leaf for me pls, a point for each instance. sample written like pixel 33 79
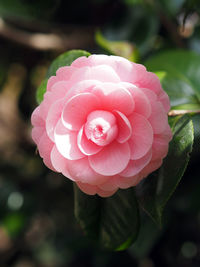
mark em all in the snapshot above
pixel 118 48
pixel 135 24
pixel 154 192
pixel 181 79
pixel 113 222
pixel 40 91
pixel 64 59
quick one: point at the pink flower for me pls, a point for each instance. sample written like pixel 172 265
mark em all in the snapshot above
pixel 103 123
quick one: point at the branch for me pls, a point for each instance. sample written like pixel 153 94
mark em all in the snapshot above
pixel 48 41
pixel 182 112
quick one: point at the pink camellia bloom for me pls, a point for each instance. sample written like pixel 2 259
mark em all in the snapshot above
pixel 103 123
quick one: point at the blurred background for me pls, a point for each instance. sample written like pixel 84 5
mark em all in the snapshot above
pixel 37 224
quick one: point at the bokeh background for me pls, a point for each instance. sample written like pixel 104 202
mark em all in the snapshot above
pixel 37 224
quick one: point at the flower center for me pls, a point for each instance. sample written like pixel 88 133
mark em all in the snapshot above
pixel 101 127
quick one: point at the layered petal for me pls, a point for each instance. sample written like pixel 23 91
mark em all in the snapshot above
pixel 77 109
pixel 142 103
pixel 53 117
pixel 111 160
pixel 66 142
pixel 158 118
pixel 124 127
pixel 135 166
pixel 114 97
pixel 142 136
pixel 60 163
pixel 86 146
pixel 45 146
pixel 81 171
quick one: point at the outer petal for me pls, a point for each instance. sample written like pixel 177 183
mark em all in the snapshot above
pixel 103 193
pixel 110 184
pixel 135 166
pixel 158 118
pixel 151 167
pixel 126 182
pixel 37 133
pixel 66 142
pixel 144 79
pixel 159 148
pixel 142 136
pixel 62 74
pixel 81 171
pixel 102 73
pixel 111 160
pixel 164 99
pixel 36 118
pixel 124 127
pixel 87 188
pixel 114 97
pixel 86 146
pixel 77 108
pixel 53 117
pixel 60 163
pixel 142 103
pixel 45 146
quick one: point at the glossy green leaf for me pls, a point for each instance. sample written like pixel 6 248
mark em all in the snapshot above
pixel 136 24
pixel 40 91
pixel 180 71
pixel 113 222
pixel 154 192
pixel 64 59
pixel 118 48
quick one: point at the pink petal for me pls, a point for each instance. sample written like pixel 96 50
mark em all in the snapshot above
pixel 81 171
pixel 135 166
pixel 60 163
pixel 86 146
pixel 37 133
pixel 101 127
pixel 149 94
pixel 77 108
pixel 164 99
pixel 151 167
pixel 114 97
pixel 121 66
pixel 53 117
pixel 36 119
pixel 60 89
pixel 58 92
pixel 81 62
pixel 142 103
pixel 124 127
pixel 111 160
pixel 87 188
pixel 103 193
pixel 142 136
pixel 44 147
pixel 158 118
pixel 65 73
pixel 126 182
pixel 144 79
pixel 159 148
pixel 62 74
pixel 110 184
pixel 66 142
pixel 102 73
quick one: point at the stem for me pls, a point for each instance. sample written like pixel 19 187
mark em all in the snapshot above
pixel 182 112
